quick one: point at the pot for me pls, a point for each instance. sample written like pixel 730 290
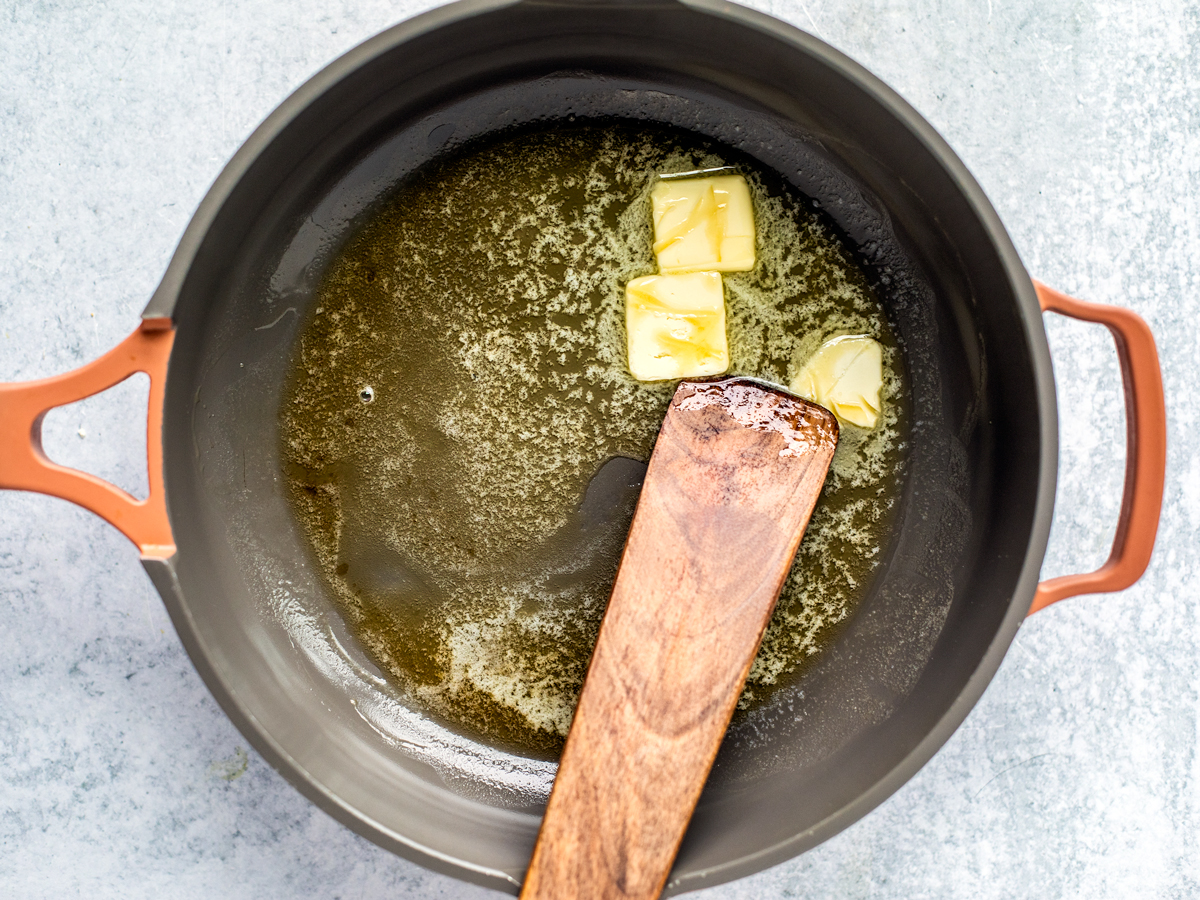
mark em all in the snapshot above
pixel 960 573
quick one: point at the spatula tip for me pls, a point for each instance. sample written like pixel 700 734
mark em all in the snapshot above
pixel 804 426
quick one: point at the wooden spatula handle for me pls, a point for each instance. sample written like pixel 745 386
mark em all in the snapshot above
pixel 730 487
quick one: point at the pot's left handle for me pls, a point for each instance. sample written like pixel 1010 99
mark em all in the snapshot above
pixel 24 466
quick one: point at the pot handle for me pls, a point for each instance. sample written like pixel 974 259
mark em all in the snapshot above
pixel 24 465
pixel 1145 450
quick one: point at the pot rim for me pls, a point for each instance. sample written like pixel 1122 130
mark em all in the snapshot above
pixel 165 296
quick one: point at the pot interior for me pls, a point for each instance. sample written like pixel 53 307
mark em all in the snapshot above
pixel 968 537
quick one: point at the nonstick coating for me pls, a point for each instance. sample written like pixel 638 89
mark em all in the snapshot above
pixel 962 564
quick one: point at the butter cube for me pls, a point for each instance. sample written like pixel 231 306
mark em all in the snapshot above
pixel 676 326
pixel 703 223
pixel 845 376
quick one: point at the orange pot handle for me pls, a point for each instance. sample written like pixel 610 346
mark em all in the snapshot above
pixel 1145 450
pixel 25 467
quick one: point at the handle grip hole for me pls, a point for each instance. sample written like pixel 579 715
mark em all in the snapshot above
pixel 1091 446
pixel 104 435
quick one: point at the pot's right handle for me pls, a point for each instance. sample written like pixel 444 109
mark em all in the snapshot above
pixel 1145 450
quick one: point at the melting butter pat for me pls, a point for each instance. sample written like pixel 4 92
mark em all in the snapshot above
pixel 676 326
pixel 703 223
pixel 845 376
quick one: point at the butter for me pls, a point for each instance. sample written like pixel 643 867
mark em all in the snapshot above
pixel 703 223
pixel 845 376
pixel 676 326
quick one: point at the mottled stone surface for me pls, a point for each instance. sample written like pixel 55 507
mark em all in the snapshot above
pixel 1077 775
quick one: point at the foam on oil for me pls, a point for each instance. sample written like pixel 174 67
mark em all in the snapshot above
pixel 462 378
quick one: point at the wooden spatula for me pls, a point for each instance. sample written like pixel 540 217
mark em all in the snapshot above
pixel 731 485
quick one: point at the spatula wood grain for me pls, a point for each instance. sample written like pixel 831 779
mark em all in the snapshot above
pixel 735 474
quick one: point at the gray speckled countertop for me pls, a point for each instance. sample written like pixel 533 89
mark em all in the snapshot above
pixel 1077 775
